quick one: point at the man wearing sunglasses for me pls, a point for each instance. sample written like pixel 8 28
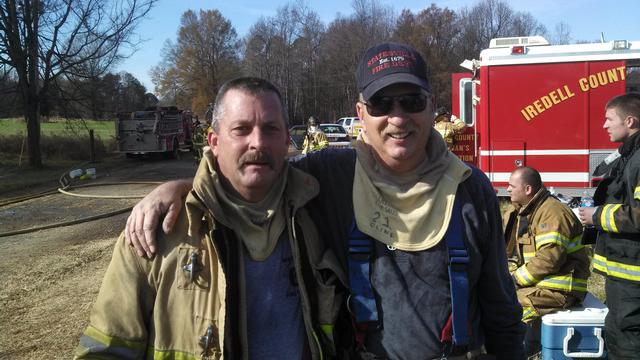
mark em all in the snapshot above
pixel 416 229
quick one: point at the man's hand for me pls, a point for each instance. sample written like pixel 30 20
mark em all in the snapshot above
pixel 585 214
pixel 140 231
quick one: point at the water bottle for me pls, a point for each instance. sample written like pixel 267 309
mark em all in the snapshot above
pixel 586 200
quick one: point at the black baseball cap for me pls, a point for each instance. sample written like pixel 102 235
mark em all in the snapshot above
pixel 390 63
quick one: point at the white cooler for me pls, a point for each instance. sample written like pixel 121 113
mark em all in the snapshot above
pixel 577 333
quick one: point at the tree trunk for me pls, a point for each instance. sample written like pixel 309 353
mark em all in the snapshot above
pixel 32 117
pixel 32 98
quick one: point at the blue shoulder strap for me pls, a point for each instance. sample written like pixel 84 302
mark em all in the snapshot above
pixel 458 278
pixel 362 303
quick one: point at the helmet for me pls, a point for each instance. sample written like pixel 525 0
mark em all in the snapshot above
pixel 442 111
pixel 312 121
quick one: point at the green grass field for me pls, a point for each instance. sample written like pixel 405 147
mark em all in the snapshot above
pixel 105 130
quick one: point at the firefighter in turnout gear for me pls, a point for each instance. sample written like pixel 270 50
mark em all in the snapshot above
pixel 616 218
pixel 315 139
pixel 199 139
pixel 550 266
pixel 245 273
pixel 448 125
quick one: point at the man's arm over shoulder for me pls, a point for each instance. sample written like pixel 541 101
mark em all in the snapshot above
pixel 326 160
pixel 121 312
pixel 500 311
pixel 164 201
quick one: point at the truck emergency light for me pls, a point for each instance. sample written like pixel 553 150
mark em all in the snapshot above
pixel 518 50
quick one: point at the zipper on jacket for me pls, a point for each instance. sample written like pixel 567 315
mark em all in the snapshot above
pixel 303 291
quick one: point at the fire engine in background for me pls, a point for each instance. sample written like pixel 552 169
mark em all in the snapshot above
pixel 157 129
pixel 526 102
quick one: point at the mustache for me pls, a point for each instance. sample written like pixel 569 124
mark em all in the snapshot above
pixel 393 129
pixel 257 157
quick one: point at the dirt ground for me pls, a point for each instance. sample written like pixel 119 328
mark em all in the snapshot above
pixel 50 278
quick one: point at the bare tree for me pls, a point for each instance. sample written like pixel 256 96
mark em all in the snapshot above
pixel 491 19
pixel 561 34
pixel 259 50
pixel 165 79
pixel 204 56
pixel 345 41
pixel 43 40
pixel 524 24
pixel 375 19
pixel 285 49
pixel 433 32
pixel 339 56
pixel 304 97
pixel 9 100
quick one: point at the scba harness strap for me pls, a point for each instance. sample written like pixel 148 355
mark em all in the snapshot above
pixel 362 302
pixel 458 279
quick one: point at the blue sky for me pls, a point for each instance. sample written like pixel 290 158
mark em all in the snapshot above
pixel 618 19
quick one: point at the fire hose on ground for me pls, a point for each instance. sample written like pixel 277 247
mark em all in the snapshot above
pixel 65 189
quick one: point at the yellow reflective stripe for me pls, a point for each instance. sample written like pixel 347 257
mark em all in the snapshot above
pixel 524 277
pixel 563 282
pixel 616 269
pixel 574 249
pixel 599 263
pixel 551 238
pixel 528 312
pixel 528 256
pixel 606 217
pixel 110 340
pixel 327 329
pixel 576 244
pixel 171 355
pixel 97 343
pixel 636 193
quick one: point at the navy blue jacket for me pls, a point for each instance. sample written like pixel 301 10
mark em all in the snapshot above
pixel 412 288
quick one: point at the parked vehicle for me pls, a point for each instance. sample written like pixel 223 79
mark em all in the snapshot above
pixel 156 129
pixel 297 134
pixel 336 134
pixel 530 103
pixel 351 124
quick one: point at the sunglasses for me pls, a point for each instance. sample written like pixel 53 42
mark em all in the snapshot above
pixel 382 105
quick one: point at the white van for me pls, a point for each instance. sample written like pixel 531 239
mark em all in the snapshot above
pixel 351 124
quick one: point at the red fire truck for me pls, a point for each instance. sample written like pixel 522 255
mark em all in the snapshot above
pixel 528 103
pixel 157 129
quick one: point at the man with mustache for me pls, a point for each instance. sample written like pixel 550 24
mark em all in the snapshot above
pixel 243 274
pixel 415 228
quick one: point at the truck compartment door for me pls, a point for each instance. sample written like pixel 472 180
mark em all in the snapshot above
pixel 504 157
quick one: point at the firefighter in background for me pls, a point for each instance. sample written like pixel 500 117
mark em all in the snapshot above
pixel 199 139
pixel 448 125
pixel 616 218
pixel 548 262
pixel 315 139
pixel 201 132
